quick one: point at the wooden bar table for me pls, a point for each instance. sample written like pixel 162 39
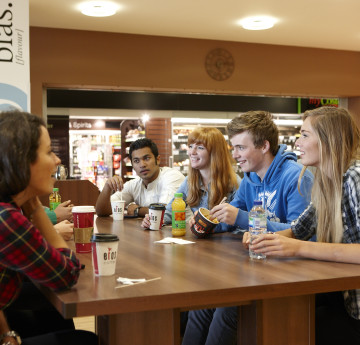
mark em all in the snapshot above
pixel 277 296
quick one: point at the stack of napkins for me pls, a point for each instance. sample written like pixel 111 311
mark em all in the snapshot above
pixel 174 240
pixel 128 281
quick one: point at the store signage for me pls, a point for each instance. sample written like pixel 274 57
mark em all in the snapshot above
pixel 14 55
pixel 87 124
pixel 320 102
pixel 312 103
pixel 81 124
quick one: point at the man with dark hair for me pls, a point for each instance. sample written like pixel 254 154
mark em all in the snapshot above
pixel 154 184
pixel 142 143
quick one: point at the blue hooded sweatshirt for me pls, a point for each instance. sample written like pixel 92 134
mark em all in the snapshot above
pixel 278 191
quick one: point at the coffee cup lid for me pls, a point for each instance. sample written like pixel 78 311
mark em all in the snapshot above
pixel 157 206
pixel 100 237
pixel 83 209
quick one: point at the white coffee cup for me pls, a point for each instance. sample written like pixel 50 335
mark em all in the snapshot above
pixel 104 253
pixel 156 215
pixel 118 208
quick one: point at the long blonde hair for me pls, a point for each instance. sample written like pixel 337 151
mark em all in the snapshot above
pixel 223 178
pixel 338 140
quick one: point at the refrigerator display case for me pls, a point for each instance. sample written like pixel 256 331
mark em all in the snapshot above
pixel 94 155
pixel 131 130
pixel 180 132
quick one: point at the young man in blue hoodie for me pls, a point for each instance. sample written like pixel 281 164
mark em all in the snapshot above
pixel 270 175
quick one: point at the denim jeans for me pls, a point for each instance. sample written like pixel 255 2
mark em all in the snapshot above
pixel 211 327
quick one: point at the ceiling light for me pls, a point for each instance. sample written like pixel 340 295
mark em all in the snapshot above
pixel 98 8
pixel 257 23
pixel 145 118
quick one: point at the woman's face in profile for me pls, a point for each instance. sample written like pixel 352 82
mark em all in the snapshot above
pixel 308 145
pixel 43 169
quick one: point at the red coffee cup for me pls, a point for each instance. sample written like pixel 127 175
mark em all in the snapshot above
pixel 83 217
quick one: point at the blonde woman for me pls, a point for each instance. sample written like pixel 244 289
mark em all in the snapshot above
pixel 211 176
pixel 329 141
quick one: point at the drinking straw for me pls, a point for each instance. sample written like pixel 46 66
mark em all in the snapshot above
pixel 223 200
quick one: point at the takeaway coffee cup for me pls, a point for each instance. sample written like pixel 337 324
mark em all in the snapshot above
pixel 118 208
pixel 83 217
pixel 203 225
pixel 156 215
pixel 104 253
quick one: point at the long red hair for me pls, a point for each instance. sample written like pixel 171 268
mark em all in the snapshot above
pixel 223 177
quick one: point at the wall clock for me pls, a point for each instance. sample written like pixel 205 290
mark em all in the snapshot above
pixel 219 64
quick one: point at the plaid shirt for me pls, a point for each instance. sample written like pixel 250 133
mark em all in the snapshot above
pixel 305 226
pixel 24 252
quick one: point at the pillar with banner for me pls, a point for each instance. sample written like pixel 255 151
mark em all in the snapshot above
pixel 14 55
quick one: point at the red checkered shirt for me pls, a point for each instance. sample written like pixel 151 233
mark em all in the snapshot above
pixel 24 252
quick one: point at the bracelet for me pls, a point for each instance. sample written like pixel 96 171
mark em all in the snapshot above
pixel 12 334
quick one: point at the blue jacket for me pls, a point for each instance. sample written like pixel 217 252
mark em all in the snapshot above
pixel 278 191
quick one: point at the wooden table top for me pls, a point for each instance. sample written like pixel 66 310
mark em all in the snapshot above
pixel 211 272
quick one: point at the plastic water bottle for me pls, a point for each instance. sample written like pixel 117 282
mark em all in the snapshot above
pixel 257 226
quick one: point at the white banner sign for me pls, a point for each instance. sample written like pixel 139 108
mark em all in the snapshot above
pixel 14 55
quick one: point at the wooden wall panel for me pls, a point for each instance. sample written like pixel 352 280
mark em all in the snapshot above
pixel 354 108
pixel 159 130
pixel 101 60
pixel 80 192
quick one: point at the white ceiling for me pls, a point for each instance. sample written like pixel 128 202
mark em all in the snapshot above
pixel 332 24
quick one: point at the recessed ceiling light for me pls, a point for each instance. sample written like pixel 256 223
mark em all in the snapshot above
pixel 257 23
pixel 98 8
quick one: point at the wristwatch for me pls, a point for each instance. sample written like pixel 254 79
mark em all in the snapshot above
pixel 12 334
pixel 136 211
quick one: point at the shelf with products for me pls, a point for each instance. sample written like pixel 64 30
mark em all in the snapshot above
pixel 115 140
pixel 180 134
pixel 116 159
pixel 288 136
pixel 288 124
pixel 289 141
pixel 92 153
pixel 131 130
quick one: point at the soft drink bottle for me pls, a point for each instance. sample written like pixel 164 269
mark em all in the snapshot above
pixel 54 199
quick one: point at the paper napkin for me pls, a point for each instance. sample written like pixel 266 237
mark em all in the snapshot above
pixel 174 240
pixel 130 281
